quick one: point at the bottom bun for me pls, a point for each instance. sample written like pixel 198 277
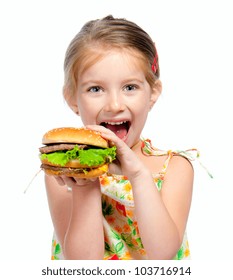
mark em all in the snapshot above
pixel 69 172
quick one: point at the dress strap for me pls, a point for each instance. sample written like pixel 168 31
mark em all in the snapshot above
pixel 191 154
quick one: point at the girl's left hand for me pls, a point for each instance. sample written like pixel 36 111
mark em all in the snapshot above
pixel 75 182
pixel 127 162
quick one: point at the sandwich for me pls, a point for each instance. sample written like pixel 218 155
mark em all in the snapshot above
pixel 75 152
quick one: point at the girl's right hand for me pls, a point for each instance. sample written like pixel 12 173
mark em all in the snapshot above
pixel 127 162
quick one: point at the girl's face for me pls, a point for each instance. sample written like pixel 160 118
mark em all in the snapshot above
pixel 114 93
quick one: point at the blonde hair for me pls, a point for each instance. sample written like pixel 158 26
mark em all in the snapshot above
pixel 98 36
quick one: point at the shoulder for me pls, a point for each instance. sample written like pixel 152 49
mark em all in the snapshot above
pixel 180 163
pixel 172 164
pixel 180 166
pixel 179 173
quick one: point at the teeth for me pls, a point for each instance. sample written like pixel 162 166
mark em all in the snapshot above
pixel 116 123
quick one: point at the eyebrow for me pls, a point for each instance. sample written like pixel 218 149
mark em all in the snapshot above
pixel 85 83
pixel 132 80
pixel 126 81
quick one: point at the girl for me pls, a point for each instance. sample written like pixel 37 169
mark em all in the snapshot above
pixel 139 210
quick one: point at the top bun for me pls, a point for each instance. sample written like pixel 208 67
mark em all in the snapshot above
pixel 74 135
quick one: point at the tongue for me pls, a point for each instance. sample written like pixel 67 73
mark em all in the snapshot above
pixel 120 130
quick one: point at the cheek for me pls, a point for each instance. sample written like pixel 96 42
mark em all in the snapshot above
pixel 87 111
pixel 141 106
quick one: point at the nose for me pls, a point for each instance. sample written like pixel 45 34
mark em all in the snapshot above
pixel 115 103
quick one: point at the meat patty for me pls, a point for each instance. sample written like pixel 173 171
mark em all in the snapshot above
pixel 59 147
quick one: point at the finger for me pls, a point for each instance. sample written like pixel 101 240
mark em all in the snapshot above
pixel 111 143
pixel 81 182
pixel 93 179
pixel 115 168
pixel 59 180
pixel 74 181
pixel 113 139
pixel 95 127
pixel 105 133
pixel 101 129
pixel 69 181
pixel 85 181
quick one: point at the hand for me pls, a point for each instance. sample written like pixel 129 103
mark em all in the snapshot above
pixel 127 162
pixel 75 182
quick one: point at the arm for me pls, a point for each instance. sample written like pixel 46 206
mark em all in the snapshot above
pixel 161 216
pixel 77 217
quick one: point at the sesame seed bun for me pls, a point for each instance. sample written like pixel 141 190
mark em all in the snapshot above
pixel 74 135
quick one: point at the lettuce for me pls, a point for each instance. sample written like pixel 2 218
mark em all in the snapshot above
pixel 93 157
pixel 90 157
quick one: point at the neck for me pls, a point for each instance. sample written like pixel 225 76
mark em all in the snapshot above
pixel 137 146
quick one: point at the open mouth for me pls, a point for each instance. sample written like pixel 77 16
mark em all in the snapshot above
pixel 119 128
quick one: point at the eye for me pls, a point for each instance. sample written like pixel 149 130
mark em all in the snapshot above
pixel 130 87
pixel 94 89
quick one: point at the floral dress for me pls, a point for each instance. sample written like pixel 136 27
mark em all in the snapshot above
pixel 122 238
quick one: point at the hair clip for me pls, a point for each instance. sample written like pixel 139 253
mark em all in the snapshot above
pixel 154 65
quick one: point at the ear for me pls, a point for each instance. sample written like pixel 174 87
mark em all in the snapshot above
pixel 70 100
pixel 155 93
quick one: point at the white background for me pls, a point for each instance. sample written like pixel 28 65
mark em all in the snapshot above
pixel 194 41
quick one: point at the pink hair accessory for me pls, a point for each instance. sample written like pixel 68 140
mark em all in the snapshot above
pixel 154 65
